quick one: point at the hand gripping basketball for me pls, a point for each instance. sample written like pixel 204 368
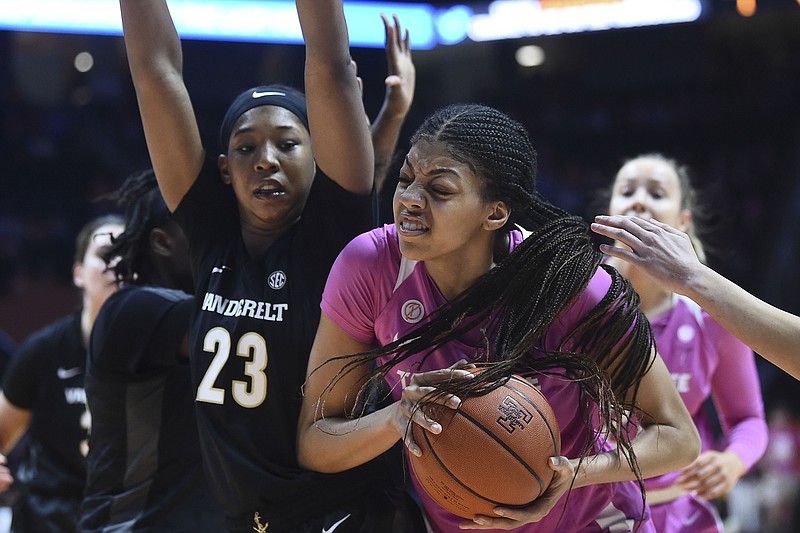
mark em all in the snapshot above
pixel 492 451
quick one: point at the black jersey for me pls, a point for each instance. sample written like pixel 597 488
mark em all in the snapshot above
pixel 7 349
pixel 45 377
pixel 143 469
pixel 253 327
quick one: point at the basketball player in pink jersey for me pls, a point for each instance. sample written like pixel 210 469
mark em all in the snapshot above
pixel 705 360
pixel 452 283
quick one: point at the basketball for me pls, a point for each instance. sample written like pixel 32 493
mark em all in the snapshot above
pixel 493 450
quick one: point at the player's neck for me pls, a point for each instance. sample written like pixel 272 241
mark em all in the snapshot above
pixel 654 300
pixel 88 315
pixel 257 242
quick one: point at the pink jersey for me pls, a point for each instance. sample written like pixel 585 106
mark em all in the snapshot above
pixel 377 296
pixel 705 360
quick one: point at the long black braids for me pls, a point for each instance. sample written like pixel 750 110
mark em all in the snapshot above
pixel 144 210
pixel 606 354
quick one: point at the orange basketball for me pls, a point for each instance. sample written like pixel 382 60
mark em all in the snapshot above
pixel 493 450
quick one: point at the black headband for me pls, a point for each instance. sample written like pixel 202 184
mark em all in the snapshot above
pixel 276 95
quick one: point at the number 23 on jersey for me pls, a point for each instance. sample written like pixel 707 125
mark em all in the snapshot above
pixel 250 393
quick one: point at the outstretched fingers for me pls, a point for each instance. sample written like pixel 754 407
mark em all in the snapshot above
pixel 627 230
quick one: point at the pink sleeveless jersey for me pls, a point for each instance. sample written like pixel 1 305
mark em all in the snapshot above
pixel 377 296
pixel 705 360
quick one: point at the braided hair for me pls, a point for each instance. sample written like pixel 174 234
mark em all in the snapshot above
pixel 145 210
pixel 606 354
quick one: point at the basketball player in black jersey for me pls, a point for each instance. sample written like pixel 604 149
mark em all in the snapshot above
pixel 265 220
pixel 43 394
pixel 144 472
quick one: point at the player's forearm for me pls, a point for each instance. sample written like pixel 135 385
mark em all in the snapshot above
pixel 385 132
pixel 769 331
pixel 151 41
pixel 659 449
pixel 335 444
pixel 325 33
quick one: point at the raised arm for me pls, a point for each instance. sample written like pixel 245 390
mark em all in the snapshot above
pixel 400 84
pixel 666 255
pixel 339 133
pixel 156 63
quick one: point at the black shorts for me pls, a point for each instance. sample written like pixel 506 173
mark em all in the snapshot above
pixel 33 513
pixel 393 511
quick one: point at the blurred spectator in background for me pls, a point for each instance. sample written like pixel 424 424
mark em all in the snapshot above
pixel 43 395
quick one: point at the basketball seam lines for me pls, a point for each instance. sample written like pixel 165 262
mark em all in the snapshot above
pixel 533 404
pixel 498 441
pixel 454 478
pixel 504 445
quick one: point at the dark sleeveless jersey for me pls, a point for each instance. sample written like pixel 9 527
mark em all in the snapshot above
pixel 7 349
pixel 253 327
pixel 45 377
pixel 143 469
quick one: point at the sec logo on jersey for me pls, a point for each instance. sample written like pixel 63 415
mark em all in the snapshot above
pixel 276 280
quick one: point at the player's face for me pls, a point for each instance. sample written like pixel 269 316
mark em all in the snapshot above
pixel 649 188
pixel 270 165
pixel 91 274
pixel 439 208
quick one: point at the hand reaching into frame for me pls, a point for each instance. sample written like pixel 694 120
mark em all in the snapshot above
pixel 659 250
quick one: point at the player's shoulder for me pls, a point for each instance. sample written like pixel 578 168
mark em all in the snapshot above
pixel 42 350
pixel 374 247
pixel 597 288
pixel 133 294
pixel 134 301
pixel 53 334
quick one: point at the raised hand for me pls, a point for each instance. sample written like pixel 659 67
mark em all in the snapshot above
pixel 659 250
pixel 401 81
pixel 400 86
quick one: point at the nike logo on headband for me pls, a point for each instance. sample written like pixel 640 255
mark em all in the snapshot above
pixel 257 94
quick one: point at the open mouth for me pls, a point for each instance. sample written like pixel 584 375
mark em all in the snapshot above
pixel 409 226
pixel 269 192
